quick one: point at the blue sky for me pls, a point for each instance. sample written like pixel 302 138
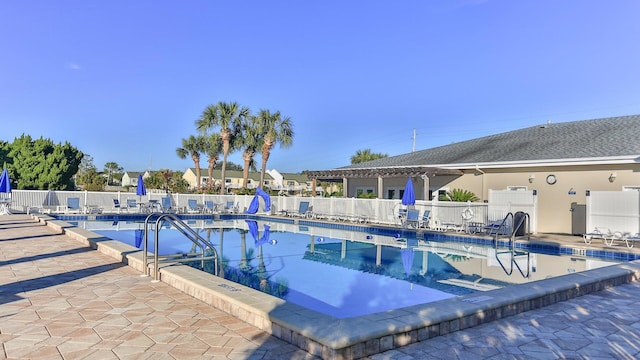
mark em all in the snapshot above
pixel 125 81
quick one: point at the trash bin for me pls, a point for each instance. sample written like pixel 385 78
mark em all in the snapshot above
pixel 519 220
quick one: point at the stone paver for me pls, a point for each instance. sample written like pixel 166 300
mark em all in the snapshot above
pixel 60 300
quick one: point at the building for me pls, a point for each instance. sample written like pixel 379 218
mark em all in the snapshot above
pixel 130 178
pixel 285 183
pixel 561 162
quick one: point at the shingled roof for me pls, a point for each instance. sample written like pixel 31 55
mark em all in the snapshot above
pixel 576 140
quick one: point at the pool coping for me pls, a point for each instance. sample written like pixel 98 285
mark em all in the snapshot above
pixel 353 338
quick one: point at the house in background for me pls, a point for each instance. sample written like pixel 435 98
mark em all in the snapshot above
pixel 561 162
pixel 234 178
pixel 289 184
pixel 285 183
pixel 130 178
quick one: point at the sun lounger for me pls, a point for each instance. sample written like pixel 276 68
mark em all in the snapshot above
pixel 303 210
pixel 413 218
pixel 209 207
pixel 166 205
pixel 192 207
pixel 72 207
pixel 605 234
pixel 630 240
pixel 424 220
pixel 230 207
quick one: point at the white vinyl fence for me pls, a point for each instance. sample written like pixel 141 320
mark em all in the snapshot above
pixel 381 211
pixel 616 210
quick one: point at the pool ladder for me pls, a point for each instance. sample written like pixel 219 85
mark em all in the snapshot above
pixel 207 251
pixel 511 225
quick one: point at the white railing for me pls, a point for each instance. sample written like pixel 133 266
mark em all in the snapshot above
pixel 381 211
pixel 374 210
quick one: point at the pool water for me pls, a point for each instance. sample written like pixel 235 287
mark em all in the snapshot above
pixel 347 273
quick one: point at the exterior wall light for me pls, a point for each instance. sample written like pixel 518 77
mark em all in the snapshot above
pixel 613 177
pixel 531 178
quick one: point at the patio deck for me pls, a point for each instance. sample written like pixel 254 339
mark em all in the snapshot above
pixel 61 299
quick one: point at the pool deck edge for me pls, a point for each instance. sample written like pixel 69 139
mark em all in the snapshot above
pixel 353 338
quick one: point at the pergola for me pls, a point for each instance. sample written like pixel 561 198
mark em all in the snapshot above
pixel 343 174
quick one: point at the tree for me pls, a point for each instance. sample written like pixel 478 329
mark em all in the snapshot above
pixel 275 129
pixel 40 164
pixel 249 139
pixel 366 155
pixel 193 146
pixel 213 149
pixel 167 180
pixel 91 180
pixel 226 116
pixel 458 195
pixel 111 168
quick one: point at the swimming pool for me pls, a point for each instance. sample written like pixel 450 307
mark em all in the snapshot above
pixel 344 273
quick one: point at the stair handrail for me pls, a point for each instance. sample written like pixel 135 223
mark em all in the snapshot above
pixel 185 229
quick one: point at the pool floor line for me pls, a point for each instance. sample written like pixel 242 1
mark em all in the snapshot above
pixel 353 338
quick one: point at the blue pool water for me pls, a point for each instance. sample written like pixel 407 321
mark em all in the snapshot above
pixel 346 273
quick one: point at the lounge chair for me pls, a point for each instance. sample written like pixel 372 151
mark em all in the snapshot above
pixel 165 205
pixel 192 207
pixel 424 221
pixel 630 240
pixel 73 206
pixel 209 207
pixel 118 207
pixel 605 234
pixel 303 210
pixel 230 207
pixel 413 218
pixel 132 204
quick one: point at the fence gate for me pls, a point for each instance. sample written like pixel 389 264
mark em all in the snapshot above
pixel 502 202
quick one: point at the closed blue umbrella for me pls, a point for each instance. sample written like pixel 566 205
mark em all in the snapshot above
pixel 5 184
pixel 141 190
pixel 5 187
pixel 409 197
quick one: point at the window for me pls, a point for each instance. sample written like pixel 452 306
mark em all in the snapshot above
pixel 391 193
pixel 394 192
pixel 227 181
pixel 291 183
pixel 363 190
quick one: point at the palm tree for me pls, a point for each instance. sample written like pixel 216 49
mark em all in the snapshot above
pixel 275 129
pixel 249 138
pixel 459 195
pixel 192 146
pixel 112 168
pixel 366 155
pixel 213 148
pixel 226 116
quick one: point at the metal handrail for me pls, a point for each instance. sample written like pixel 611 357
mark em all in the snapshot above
pixel 523 220
pixel 186 230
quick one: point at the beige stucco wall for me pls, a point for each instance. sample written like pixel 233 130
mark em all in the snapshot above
pixel 554 200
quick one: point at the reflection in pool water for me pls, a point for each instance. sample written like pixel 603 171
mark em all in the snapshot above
pixel 347 274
